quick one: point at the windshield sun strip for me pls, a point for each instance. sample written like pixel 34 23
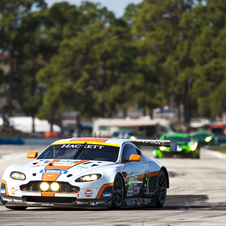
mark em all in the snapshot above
pixel 82 142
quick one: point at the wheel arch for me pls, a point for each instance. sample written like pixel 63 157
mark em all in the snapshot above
pixel 167 175
pixel 115 204
pixel 123 179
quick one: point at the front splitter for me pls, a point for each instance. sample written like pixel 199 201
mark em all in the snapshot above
pixel 10 201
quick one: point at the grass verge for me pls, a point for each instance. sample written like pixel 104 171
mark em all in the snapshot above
pixel 221 149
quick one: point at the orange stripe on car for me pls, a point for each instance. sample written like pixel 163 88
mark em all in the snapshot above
pixel 50 176
pixel 54 176
pixel 48 194
pixel 151 174
pixel 102 189
pixel 91 139
pixel 6 187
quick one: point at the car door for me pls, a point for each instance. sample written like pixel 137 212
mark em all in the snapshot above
pixel 134 171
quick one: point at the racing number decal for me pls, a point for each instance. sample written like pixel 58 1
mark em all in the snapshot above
pixel 130 183
pixel 133 189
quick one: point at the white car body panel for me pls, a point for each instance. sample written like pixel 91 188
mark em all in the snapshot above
pixel 67 171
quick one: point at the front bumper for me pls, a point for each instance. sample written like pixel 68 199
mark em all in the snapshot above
pixel 57 202
pixel 178 154
pixel 13 196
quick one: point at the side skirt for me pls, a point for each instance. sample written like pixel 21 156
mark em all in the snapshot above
pixel 138 202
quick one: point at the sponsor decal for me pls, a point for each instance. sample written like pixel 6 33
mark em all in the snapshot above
pixel 146 201
pixel 83 167
pixel 130 193
pixel 7 199
pixel 133 188
pixel 47 204
pixel 179 148
pixel 82 203
pixel 107 194
pixel 91 146
pixel 34 166
pixel 131 202
pixel 104 202
pixel 99 203
pixel 65 163
pixel 157 142
pixel 130 183
pixel 88 193
pixel 17 200
pixel 92 203
pixel 3 191
pixel 54 171
pixel 136 190
pixel 13 191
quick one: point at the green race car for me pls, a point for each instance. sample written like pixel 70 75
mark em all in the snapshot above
pixel 206 138
pixel 187 146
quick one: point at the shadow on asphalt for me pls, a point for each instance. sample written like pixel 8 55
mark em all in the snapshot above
pixel 173 202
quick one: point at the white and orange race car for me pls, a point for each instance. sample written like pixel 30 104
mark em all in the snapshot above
pixel 88 173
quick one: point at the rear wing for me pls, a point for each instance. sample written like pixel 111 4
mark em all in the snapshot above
pixel 155 143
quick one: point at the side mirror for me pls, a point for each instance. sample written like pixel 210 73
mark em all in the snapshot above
pixel 134 158
pixel 32 155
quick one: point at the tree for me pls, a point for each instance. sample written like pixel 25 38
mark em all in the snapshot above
pixel 164 51
pixel 209 57
pixel 82 70
pixel 91 64
pixel 11 13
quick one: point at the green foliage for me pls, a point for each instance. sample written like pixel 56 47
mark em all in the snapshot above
pixel 91 65
pixel 83 58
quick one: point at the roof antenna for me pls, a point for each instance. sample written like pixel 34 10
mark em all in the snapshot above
pixel 100 134
pixel 54 155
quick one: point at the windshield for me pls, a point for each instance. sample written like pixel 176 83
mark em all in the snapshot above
pixel 199 136
pixel 178 139
pixel 81 151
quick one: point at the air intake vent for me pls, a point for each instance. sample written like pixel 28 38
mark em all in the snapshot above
pixel 49 199
pixel 94 165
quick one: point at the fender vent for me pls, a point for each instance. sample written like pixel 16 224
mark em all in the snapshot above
pixel 86 163
pixel 94 165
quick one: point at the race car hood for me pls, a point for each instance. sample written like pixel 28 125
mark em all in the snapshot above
pixel 61 169
pixel 182 143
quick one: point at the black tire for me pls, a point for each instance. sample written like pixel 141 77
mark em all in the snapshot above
pixel 196 157
pixel 118 192
pixel 161 189
pixel 16 207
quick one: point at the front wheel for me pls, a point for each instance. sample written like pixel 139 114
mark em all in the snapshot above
pixel 118 192
pixel 161 189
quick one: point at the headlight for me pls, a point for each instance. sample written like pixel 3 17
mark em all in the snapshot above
pixel 90 177
pixel 208 139
pixel 50 186
pixel 18 176
pixel 55 186
pixel 162 148
pixel 194 146
pixel 44 186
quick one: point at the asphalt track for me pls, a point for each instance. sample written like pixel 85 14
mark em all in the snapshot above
pixel 197 196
